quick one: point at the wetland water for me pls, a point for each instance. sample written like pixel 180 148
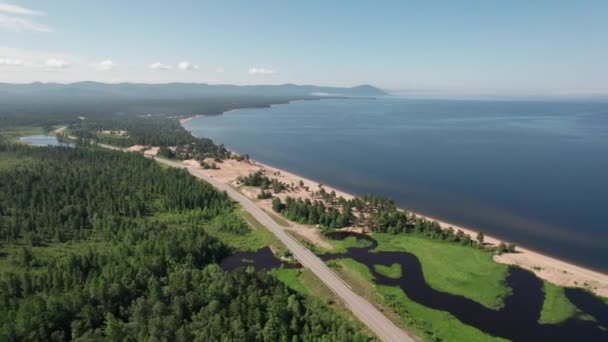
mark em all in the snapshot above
pixel 43 140
pixel 517 320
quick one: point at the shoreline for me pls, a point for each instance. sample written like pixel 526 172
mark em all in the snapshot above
pixel 553 270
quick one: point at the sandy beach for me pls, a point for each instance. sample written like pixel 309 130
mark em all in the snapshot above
pixel 553 270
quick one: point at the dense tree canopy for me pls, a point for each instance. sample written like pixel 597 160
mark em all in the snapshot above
pixel 87 256
pixel 376 213
pixel 69 193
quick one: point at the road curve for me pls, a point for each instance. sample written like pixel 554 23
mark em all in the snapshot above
pixel 361 308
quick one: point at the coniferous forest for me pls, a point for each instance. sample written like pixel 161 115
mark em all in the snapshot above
pixel 85 255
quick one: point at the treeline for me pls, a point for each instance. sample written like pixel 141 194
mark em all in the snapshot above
pixel 124 275
pixel 148 130
pixel 376 213
pixel 148 121
pixel 72 192
pixel 312 212
pixel 259 179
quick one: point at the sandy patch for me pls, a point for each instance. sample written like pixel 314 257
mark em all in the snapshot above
pixel 59 130
pixel 117 132
pixel 152 151
pixel 136 148
pixel 192 163
pixel 230 170
pixel 184 120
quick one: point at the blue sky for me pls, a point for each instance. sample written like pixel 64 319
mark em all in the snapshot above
pixel 448 47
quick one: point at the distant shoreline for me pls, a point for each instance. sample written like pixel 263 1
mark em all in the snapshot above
pixel 556 271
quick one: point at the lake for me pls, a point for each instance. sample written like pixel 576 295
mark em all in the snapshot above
pixel 43 140
pixel 533 173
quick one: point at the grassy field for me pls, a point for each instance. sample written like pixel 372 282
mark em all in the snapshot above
pixel 14 133
pixel 435 324
pixel 392 271
pixel 292 278
pixel 453 268
pixel 557 307
pixel 257 237
pixel 279 220
pixel 340 246
pixel 427 323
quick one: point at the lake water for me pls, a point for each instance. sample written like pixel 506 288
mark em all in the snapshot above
pixel 529 172
pixel 42 140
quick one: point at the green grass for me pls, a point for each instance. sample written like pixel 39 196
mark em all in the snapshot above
pixel 306 243
pixel 14 133
pixel 430 324
pixel 291 278
pixel 556 308
pixel 427 323
pixel 453 268
pixel 392 271
pixel 257 237
pixel 340 246
pixel 279 220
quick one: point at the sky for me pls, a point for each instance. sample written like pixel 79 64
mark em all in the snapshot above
pixel 436 47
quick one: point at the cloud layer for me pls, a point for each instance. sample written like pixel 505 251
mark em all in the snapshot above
pixel 105 65
pixel 10 62
pixel 55 63
pixel 159 66
pixel 185 65
pixel 261 72
pixel 11 18
pixel 14 9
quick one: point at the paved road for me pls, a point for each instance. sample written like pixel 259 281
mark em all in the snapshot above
pixel 365 311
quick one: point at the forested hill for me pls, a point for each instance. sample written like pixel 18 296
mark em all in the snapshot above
pixel 88 251
pixel 124 91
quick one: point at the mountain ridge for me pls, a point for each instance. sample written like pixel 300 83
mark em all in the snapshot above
pixel 179 89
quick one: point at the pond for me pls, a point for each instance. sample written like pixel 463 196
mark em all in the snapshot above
pixel 43 140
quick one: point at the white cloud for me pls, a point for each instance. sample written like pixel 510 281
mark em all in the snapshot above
pixel 10 62
pixel 219 70
pixel 55 63
pixel 38 60
pixel 261 72
pixel 19 24
pixel 14 9
pixel 105 65
pixel 185 65
pixel 11 19
pixel 159 66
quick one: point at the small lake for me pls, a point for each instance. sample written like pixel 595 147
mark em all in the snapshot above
pixel 517 320
pixel 42 140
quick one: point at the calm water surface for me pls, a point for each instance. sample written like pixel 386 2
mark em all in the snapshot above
pixel 529 172
pixel 42 140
